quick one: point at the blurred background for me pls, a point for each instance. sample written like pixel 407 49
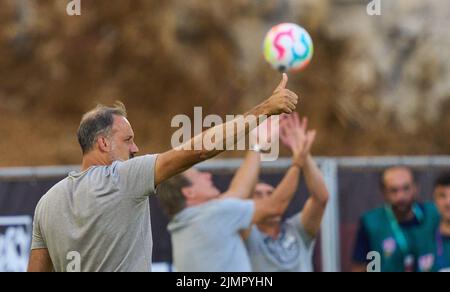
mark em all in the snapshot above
pixel 377 85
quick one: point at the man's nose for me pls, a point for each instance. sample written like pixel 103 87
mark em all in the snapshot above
pixel 134 149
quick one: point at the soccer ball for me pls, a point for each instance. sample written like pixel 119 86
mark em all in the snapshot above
pixel 288 47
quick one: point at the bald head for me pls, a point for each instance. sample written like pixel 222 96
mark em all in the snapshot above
pixel 395 174
pixel 399 188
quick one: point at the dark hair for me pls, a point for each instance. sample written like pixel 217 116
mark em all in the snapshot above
pixel 96 122
pixel 383 174
pixel 443 180
pixel 171 196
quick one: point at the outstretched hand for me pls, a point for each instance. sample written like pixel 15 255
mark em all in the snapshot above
pixel 294 134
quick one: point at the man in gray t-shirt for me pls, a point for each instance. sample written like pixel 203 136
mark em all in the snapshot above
pixel 101 216
pixel 99 219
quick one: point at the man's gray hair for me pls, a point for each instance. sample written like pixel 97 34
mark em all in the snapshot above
pixel 98 122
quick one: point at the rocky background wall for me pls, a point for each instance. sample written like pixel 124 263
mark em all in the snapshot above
pixel 378 85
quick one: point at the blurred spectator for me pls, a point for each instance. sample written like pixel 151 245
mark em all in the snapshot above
pixel 287 246
pixel 207 227
pixel 393 229
pixel 433 254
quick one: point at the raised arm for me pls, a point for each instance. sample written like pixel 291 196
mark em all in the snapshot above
pixel 178 160
pixel 294 134
pixel 245 179
pixel 314 208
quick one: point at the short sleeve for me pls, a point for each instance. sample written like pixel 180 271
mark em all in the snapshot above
pixel 38 241
pixel 254 236
pixel 235 214
pixel 252 242
pixel 136 177
pixel 296 222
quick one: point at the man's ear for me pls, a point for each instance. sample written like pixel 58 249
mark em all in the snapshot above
pixel 187 192
pixel 103 144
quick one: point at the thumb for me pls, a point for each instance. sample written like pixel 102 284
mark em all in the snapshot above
pixel 283 83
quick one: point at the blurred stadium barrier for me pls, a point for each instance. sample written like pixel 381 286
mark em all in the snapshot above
pixel 352 182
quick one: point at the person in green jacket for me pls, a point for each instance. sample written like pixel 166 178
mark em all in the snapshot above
pixel 393 229
pixel 433 255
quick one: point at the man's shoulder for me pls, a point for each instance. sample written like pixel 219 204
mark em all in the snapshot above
pixel 429 208
pixel 93 171
pixel 228 202
pixel 138 160
pixel 54 192
pixel 373 218
pixel 209 207
pixel 58 187
pixel 294 218
pixel 295 226
pixel 254 235
pixel 223 207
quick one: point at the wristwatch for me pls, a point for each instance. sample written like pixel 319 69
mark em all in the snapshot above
pixel 257 148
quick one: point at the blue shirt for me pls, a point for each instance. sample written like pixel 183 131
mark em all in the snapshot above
pixel 206 238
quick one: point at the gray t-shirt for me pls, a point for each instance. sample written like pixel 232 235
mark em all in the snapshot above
pixel 206 238
pixel 102 215
pixel 292 251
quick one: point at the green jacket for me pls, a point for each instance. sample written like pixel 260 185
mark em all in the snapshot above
pixel 395 256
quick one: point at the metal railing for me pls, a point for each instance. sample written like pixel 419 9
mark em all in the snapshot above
pixel 233 164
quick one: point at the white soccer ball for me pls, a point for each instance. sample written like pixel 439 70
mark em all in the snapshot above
pixel 288 47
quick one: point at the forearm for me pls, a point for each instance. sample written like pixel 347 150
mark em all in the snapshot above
pixel 285 191
pixel 221 138
pixel 246 177
pixel 277 203
pixel 315 206
pixel 315 181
